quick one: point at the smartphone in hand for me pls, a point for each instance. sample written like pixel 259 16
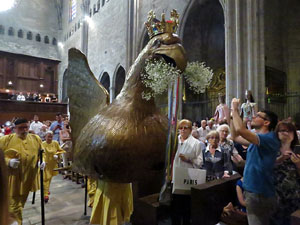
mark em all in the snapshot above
pixel 297 149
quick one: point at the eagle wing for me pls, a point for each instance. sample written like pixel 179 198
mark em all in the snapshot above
pixel 86 95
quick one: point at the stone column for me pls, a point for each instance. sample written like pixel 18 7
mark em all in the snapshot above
pixel 112 92
pixel 244 49
pixel 85 27
pixel 132 24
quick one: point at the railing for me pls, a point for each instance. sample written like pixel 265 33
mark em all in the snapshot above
pixel 284 105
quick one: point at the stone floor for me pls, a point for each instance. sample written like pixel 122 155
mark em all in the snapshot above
pixel 65 206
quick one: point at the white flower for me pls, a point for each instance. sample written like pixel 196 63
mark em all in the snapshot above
pixel 198 76
pixel 158 76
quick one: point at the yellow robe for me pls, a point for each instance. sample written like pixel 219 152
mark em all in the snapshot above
pixel 113 203
pixel 20 180
pixel 48 157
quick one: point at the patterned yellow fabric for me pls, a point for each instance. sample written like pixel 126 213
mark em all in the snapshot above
pixel 91 187
pixel 113 203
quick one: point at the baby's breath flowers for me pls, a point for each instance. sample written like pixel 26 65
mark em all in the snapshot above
pixel 158 75
pixel 198 76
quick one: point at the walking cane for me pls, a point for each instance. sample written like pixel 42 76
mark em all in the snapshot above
pixel 42 188
pixel 85 194
pixel 33 198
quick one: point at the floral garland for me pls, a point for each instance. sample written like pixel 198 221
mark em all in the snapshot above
pixel 198 76
pixel 158 75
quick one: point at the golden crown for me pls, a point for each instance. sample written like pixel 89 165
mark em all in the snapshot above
pixel 155 27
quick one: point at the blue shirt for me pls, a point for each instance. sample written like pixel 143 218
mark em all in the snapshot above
pixel 258 173
pixel 56 132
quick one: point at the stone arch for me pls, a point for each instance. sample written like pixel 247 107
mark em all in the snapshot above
pixel 29 35
pixel 38 38
pixel 11 31
pixel 119 79
pixel 203 37
pixel 105 81
pixel 2 30
pixel 20 33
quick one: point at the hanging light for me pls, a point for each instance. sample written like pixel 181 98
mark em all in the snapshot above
pixel 41 85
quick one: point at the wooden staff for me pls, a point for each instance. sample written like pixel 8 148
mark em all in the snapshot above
pixel 85 194
pixel 42 188
pixel 33 198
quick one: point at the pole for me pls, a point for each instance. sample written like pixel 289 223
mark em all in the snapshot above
pixel 42 188
pixel 33 198
pixel 85 194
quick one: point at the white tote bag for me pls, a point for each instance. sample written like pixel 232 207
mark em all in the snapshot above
pixel 185 178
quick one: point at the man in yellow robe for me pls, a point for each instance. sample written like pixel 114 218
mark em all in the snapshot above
pixel 51 153
pixel 21 156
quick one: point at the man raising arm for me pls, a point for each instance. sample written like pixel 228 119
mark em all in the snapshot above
pixel 261 156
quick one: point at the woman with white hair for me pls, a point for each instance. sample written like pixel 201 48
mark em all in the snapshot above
pixel 227 146
pixel 50 156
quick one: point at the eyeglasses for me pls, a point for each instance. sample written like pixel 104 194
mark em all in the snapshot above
pixel 258 115
pixel 287 131
pixel 224 131
pixel 183 128
pixel 216 138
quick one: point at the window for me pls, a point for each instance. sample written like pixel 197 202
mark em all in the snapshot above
pixel 1 29
pixel 11 31
pixel 78 24
pixel 29 35
pixel 75 27
pixel 20 33
pixel 98 5
pixel 94 9
pixel 72 10
pixel 38 38
pixel 54 42
pixel 46 40
pixel 103 2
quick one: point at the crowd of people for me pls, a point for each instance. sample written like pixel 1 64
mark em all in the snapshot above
pixel 33 97
pixel 264 150
pixel 20 144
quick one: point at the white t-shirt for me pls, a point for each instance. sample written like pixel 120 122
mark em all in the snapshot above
pixel 36 126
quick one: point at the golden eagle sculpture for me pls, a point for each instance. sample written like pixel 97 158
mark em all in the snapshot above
pixel 121 141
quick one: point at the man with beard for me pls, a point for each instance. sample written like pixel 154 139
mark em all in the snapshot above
pixel 21 156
